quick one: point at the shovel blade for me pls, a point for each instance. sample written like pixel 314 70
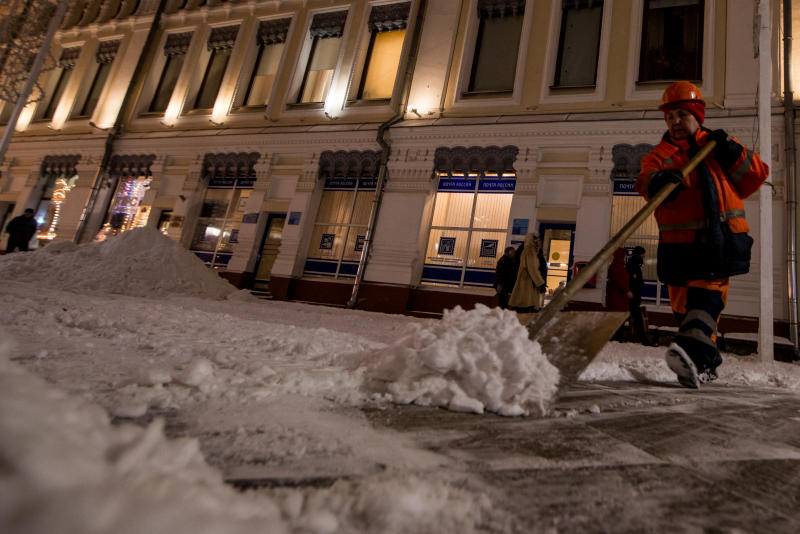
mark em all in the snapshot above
pixel 571 340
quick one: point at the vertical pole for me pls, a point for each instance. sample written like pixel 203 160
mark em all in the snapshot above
pixel 790 163
pixel 765 323
pixel 33 75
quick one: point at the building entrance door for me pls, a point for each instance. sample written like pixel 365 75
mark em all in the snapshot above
pixel 269 250
pixel 557 244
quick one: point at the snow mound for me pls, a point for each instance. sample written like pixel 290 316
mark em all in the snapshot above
pixel 470 361
pixel 141 263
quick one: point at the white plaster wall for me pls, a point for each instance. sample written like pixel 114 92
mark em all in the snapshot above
pixel 394 258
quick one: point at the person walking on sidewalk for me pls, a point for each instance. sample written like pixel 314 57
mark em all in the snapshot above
pixel 635 287
pixel 505 274
pixel 703 237
pixel 530 284
pixel 20 231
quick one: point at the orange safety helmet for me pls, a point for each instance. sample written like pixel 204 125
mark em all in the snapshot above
pixel 682 91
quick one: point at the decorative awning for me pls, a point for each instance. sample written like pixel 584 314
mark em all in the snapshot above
pixel 230 169
pixel 351 164
pixel 628 160
pixel 273 31
pixel 60 165
pixel 131 165
pixel 222 38
pixel 107 51
pixel 69 57
pixel 389 17
pixel 475 159
pixel 500 8
pixel 326 25
pixel 177 44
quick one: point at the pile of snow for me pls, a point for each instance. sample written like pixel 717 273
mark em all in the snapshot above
pixel 66 469
pixel 141 263
pixel 470 361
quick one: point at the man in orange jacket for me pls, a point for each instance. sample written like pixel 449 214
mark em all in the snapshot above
pixel 703 236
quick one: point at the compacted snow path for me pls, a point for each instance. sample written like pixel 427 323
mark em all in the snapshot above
pixel 133 380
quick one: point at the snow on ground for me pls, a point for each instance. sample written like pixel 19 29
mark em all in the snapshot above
pixel 95 337
pixel 141 262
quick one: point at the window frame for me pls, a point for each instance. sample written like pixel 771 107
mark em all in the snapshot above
pixel 200 88
pixel 464 99
pixel 560 51
pixel 652 91
pixel 700 47
pixel 294 92
pixel 470 230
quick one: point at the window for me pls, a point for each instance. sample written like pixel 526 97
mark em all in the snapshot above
pixel 270 38
pixel 326 38
pixel 625 203
pixel 230 182
pixel 220 44
pixel 340 229
pixel 387 27
pixel 59 177
pixel 5 112
pixel 494 63
pixel 175 49
pixel 133 181
pixel 579 42
pixel 58 90
pixel 672 40
pixel 106 53
pixel 470 216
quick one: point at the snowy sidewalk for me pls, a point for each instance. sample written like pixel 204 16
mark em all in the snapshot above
pixel 627 457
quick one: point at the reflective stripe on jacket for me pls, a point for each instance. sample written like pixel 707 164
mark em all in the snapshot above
pixel 705 224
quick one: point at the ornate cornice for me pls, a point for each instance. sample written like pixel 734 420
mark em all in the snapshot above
pixel 222 38
pixel 628 160
pixel 325 25
pixel 58 165
pixel 107 51
pixel 131 165
pixel 475 159
pixel 69 57
pixel 500 8
pixel 231 164
pixel 352 163
pixel 273 31
pixel 389 17
pixel 177 44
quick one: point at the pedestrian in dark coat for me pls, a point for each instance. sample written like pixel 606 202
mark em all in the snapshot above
pixel 505 274
pixel 20 231
pixel 635 287
pixel 617 291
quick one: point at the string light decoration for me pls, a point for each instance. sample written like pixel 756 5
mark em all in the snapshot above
pixel 127 212
pixel 23 26
pixel 62 186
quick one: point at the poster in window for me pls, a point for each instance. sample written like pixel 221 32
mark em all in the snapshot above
pixel 488 248
pixel 520 227
pixel 294 217
pixel 359 243
pixel 234 236
pixel 447 245
pixel 326 243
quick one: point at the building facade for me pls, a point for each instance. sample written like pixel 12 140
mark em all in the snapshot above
pixel 307 147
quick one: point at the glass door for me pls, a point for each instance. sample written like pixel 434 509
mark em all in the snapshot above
pixel 269 250
pixel 557 246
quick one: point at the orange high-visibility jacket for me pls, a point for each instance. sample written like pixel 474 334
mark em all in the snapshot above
pixel 703 232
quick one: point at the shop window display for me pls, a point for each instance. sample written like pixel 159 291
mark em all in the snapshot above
pixel 127 211
pixel 231 179
pixel 341 227
pixel 468 230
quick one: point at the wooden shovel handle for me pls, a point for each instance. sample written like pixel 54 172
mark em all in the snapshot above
pixel 562 297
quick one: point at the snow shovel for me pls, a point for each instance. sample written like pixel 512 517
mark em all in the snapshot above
pixel 571 340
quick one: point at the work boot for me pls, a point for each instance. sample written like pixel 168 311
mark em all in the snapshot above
pixel 683 366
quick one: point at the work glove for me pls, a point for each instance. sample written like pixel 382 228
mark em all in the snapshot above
pixel 727 150
pixel 662 178
pixel 543 288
